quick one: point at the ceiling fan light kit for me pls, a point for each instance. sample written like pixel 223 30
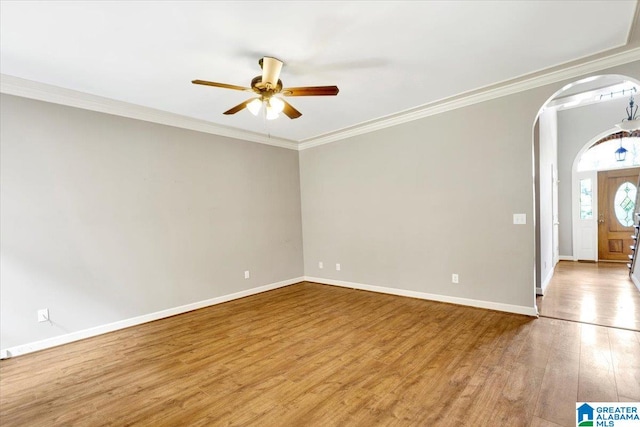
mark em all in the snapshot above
pixel 267 86
pixel 254 106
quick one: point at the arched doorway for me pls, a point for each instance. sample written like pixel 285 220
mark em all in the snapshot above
pixel 583 111
pixel 576 120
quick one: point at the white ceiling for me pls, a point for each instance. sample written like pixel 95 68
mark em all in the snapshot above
pixel 385 56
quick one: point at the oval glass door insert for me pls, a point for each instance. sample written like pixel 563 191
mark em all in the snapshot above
pixel 624 203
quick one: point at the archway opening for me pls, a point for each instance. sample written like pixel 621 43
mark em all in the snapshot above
pixel 581 112
pixel 575 132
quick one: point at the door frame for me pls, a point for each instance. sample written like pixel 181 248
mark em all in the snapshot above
pixel 578 236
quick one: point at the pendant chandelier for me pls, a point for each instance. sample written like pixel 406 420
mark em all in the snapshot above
pixel 631 122
pixel 628 124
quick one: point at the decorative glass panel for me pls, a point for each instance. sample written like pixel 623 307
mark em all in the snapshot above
pixel 586 199
pixel 624 203
pixel 602 156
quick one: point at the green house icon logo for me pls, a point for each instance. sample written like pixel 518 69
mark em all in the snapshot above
pixel 585 415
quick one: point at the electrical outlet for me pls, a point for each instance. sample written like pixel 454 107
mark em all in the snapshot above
pixel 337 267
pixel 247 274
pixel 454 278
pixel 43 315
pixel 321 265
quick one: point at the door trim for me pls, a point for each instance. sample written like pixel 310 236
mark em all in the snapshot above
pixel 575 196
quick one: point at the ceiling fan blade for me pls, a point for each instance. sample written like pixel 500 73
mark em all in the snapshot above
pixel 238 107
pixel 310 91
pixel 289 111
pixel 222 85
pixel 271 68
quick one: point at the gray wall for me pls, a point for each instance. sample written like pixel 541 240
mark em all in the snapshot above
pixel 576 127
pixel 405 207
pixel 106 218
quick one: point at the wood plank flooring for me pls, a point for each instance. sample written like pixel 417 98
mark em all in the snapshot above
pixel 317 355
pixel 597 293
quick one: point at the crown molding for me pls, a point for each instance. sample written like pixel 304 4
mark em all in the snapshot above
pixel 17 86
pixel 634 31
pixel 530 81
pixel 12 85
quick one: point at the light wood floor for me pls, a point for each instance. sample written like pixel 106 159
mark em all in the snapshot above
pixel 598 293
pixel 318 355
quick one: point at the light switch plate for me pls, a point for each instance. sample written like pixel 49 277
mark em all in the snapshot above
pixel 519 219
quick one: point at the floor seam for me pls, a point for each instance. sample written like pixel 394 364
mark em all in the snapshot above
pixel 589 323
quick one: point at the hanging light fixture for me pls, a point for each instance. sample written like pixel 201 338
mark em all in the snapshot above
pixel 628 124
pixel 631 122
pixel 621 153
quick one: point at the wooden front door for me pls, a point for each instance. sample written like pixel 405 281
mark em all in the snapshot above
pixel 616 202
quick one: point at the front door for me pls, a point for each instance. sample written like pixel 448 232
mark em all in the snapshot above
pixel 616 203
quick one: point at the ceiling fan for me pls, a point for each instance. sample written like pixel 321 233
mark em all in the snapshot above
pixel 267 86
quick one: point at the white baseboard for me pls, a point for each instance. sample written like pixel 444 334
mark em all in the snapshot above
pixel 635 282
pixel 545 282
pixel 509 308
pixel 126 323
pixel 566 258
pixel 121 324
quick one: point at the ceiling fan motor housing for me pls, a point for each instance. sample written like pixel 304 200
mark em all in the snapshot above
pixel 263 89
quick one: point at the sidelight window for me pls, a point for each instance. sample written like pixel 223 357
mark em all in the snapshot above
pixel 586 199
